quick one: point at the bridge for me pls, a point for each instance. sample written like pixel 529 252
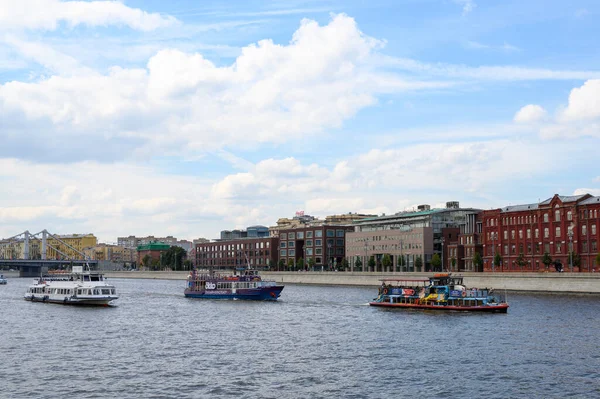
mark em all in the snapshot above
pixel 34 254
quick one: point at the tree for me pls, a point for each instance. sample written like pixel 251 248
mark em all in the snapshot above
pixel 358 263
pixel 371 262
pixel 300 263
pixel 146 261
pixel 291 264
pixel 281 265
pixel 575 258
pixel 271 264
pixel 345 264
pixel 311 263
pixel 453 262
pixel 598 259
pixel 477 261
pixel 386 261
pixel 498 260
pixel 187 264
pixel 419 263
pixel 155 264
pixel 436 262
pixel 547 259
pixel 401 262
pixel 521 260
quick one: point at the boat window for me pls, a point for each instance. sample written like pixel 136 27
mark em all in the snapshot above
pixel 105 291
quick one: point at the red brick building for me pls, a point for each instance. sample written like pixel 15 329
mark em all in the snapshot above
pixel 260 253
pixel 558 226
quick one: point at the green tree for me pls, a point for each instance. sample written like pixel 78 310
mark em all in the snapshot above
pixel 477 261
pixel 311 263
pixel 372 263
pixel 291 264
pixel 147 261
pixel 498 260
pixel 401 262
pixel 575 258
pixel 547 259
pixel 521 262
pixel 187 264
pixel 281 265
pixel 271 264
pixel 453 262
pixel 436 262
pixel 300 264
pixel 598 259
pixel 419 263
pixel 386 261
pixel 345 264
pixel 358 263
pixel 155 264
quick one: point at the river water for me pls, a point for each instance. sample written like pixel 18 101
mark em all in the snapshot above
pixel 315 342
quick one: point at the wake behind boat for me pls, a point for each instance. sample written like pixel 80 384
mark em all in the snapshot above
pixel 246 286
pixel 440 292
pixel 76 288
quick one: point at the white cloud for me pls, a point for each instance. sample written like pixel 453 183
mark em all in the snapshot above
pixel 530 114
pixel 271 93
pixel 467 6
pixel 584 102
pixel 47 14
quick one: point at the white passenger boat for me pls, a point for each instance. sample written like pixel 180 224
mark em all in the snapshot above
pixel 75 288
pixel 2 279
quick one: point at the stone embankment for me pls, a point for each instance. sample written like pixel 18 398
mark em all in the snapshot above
pixel 583 283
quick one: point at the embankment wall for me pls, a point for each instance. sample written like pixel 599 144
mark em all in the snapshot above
pixel 583 283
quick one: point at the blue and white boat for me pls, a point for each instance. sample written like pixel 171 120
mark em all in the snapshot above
pixel 2 279
pixel 246 286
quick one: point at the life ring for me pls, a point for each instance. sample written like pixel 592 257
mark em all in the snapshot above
pixel 385 291
pixel 464 294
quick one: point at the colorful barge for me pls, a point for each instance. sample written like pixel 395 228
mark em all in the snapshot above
pixel 246 286
pixel 440 292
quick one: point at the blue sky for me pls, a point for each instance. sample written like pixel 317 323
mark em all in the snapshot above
pixel 186 118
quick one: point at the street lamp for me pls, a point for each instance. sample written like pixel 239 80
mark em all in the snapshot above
pixel 366 246
pixel 494 251
pixel 570 234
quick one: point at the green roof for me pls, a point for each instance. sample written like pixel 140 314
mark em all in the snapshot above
pixel 154 246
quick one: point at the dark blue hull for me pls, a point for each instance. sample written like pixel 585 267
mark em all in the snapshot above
pixel 262 294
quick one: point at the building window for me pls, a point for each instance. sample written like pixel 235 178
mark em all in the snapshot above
pixel 309 251
pixel 506 234
pixel 318 251
pixel 291 236
pixel 569 215
pixel 339 233
pixel 583 229
pixel 557 233
pixel 339 242
pixel 319 233
pixel 547 247
pixel 309 243
pixel 593 229
pixel 330 233
pixel 537 233
pixel 292 252
pixel 309 234
pixel 506 249
pixel 291 244
pixel 584 246
pixel 545 218
pixel 528 233
pixel 546 232
pixel 300 235
pixel 283 244
pixel 557 215
pixel 318 243
pixel 283 236
pixel 594 246
pixel 558 247
pixel 283 252
pixel 520 234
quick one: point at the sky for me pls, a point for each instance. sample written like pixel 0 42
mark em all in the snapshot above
pixel 185 118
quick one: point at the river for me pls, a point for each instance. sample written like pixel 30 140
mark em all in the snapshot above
pixel 315 342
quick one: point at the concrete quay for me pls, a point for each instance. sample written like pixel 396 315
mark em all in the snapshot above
pixel 574 283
